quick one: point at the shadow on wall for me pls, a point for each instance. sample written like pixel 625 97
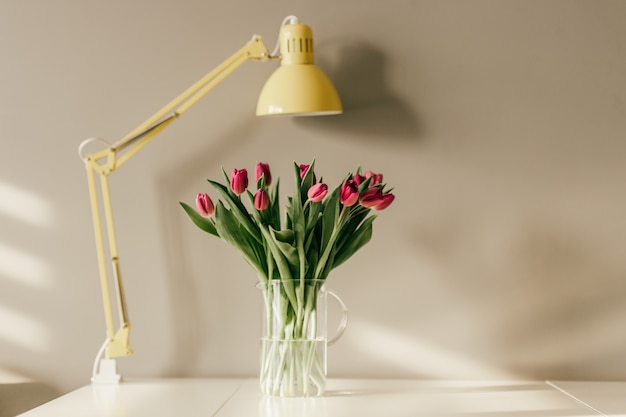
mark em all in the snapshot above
pixel 189 334
pixel 370 108
pixel 547 301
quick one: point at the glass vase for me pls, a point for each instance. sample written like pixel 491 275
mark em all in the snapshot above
pixel 295 339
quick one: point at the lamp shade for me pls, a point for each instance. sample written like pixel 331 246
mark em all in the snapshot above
pixel 298 87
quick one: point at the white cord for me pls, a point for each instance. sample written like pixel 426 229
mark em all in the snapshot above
pixel 96 362
pixel 87 142
pixel 105 370
pixel 292 20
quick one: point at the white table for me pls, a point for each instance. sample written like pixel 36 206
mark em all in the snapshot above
pixel 606 398
pixel 344 398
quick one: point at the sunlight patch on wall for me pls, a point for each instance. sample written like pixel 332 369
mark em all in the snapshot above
pixel 416 356
pixel 24 267
pixel 23 331
pixel 25 206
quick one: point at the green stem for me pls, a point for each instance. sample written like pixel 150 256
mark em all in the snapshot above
pixel 329 247
pixel 290 363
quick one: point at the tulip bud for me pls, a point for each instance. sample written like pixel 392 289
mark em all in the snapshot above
pixel 317 192
pixel 376 178
pixel 371 197
pixel 349 193
pixel 303 171
pixel 263 169
pixel 239 180
pixel 387 200
pixel 261 200
pixel 204 205
pixel 358 178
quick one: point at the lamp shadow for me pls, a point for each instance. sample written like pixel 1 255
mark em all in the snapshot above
pixel 371 109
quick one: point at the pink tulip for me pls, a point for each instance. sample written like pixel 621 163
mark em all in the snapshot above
pixel 239 180
pixel 371 197
pixel 349 193
pixel 387 200
pixel 317 192
pixel 304 169
pixel 204 205
pixel 261 200
pixel 358 178
pixel 263 169
pixel 376 178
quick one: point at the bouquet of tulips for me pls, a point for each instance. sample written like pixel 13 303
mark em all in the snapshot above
pixel 321 229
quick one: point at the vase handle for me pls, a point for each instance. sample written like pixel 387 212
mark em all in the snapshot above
pixel 344 318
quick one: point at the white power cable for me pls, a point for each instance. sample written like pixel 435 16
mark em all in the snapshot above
pixel 292 20
pixel 86 142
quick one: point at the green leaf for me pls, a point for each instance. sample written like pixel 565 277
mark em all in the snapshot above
pixel 313 230
pixel 288 224
pixel 356 241
pixel 203 223
pixel 354 219
pixel 288 251
pixel 226 177
pixel 260 182
pixel 231 231
pixel 297 180
pixel 298 231
pixel 312 254
pixel 365 184
pixel 274 207
pixel 286 235
pixel 330 217
pixel 238 210
pixel 283 266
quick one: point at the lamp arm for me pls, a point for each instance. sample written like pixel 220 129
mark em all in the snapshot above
pixel 106 161
pixel 254 49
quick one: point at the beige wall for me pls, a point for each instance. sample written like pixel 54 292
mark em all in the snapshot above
pixel 502 125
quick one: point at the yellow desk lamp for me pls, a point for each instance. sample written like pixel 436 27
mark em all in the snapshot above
pixel 296 88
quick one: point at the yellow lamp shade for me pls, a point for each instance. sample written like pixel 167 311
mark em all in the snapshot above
pixel 295 90
pixel 298 87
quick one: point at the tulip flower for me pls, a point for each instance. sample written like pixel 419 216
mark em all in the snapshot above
pixel 358 178
pixel 261 200
pixel 239 180
pixel 317 192
pixel 371 197
pixel 376 178
pixel 349 193
pixel 387 200
pixel 304 169
pixel 204 205
pixel 263 170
